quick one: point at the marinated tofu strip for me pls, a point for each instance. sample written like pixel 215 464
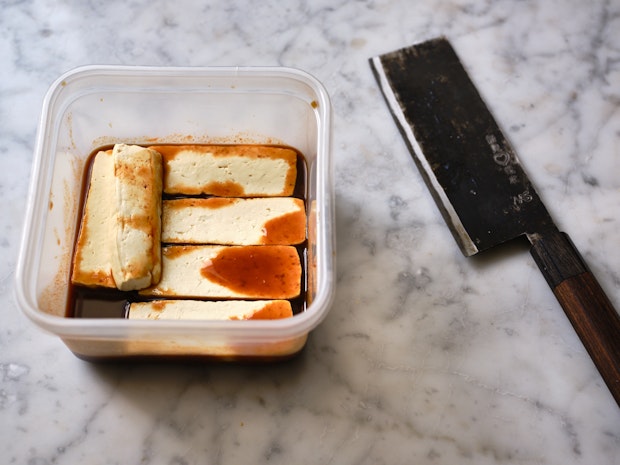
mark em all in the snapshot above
pixel 119 243
pixel 229 272
pixel 234 221
pixel 211 310
pixel 91 264
pixel 229 170
pixel 138 176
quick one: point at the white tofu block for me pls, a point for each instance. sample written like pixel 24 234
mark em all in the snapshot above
pixel 211 310
pixel 229 170
pixel 234 221
pixel 229 272
pixel 119 243
pixel 138 179
pixel 91 263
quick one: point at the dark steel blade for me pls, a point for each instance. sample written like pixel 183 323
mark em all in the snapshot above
pixel 473 172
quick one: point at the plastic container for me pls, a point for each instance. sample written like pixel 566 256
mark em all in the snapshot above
pixel 94 106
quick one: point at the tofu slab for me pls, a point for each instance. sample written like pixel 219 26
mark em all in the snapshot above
pixel 91 263
pixel 211 310
pixel 234 221
pixel 119 242
pixel 138 178
pixel 229 170
pixel 229 272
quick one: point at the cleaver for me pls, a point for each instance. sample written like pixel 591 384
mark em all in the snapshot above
pixel 482 190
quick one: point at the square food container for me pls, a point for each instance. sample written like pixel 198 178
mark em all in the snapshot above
pixel 96 106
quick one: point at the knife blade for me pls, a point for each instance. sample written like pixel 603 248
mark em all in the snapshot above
pixel 482 190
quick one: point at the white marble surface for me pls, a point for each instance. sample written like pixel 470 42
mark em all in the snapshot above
pixel 426 357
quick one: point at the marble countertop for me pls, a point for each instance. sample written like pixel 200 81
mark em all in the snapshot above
pixel 426 356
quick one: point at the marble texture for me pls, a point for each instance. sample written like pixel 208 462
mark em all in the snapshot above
pixel 426 357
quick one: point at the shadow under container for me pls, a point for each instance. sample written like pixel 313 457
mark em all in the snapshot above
pixel 96 106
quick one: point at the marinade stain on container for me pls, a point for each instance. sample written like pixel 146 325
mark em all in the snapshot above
pixel 84 302
pixel 53 299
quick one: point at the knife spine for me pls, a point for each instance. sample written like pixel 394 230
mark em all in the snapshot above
pixel 453 220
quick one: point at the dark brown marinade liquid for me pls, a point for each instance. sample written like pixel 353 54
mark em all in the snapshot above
pixel 85 302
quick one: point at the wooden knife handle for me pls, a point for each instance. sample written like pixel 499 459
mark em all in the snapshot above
pixel 588 308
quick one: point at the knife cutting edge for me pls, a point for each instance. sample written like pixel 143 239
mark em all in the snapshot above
pixel 481 189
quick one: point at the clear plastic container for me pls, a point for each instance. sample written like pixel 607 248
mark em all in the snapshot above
pixel 95 106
